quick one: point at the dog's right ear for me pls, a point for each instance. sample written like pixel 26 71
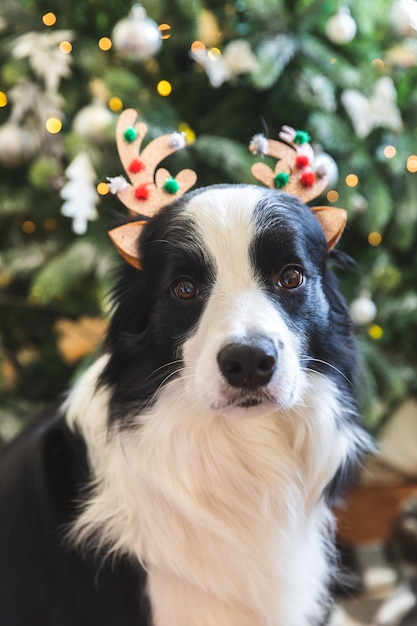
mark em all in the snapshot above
pixel 125 240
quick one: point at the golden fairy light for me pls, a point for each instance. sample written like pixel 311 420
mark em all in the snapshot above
pixel 102 189
pixel 115 104
pixel 332 195
pixel 28 227
pixel 352 180
pixel 165 31
pixel 390 152
pixel 198 48
pixel 164 88
pixel 187 131
pixel 53 125
pixel 214 54
pixel 49 19
pixel 375 331
pixel 412 163
pixel 105 43
pixel 65 47
pixel 374 239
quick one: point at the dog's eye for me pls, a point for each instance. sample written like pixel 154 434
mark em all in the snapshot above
pixel 185 289
pixel 290 277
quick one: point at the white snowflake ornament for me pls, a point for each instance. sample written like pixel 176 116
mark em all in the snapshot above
pixel 80 193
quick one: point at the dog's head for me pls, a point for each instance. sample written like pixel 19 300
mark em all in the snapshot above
pixel 234 300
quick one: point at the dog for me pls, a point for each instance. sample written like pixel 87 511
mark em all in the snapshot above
pixel 188 477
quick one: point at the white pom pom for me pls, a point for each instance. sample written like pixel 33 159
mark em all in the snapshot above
pixel 259 144
pixel 117 184
pixel 177 141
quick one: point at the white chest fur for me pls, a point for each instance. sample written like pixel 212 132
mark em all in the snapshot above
pixel 226 514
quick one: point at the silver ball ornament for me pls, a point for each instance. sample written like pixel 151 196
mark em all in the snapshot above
pixel 92 121
pixel 363 310
pixel 17 146
pixel 137 36
pixel 341 28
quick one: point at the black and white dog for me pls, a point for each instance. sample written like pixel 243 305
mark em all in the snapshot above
pixel 188 478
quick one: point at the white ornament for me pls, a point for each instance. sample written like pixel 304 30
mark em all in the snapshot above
pixel 380 110
pixel 237 58
pixel 137 37
pixel 80 193
pixel 363 310
pixel 44 56
pixel 325 165
pixel 92 121
pixel 341 28
pixel 403 16
pixel 16 145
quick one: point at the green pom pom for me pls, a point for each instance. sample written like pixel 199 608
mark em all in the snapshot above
pixel 130 134
pixel 301 136
pixel 171 186
pixel 281 180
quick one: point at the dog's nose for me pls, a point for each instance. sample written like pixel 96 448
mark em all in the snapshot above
pixel 248 365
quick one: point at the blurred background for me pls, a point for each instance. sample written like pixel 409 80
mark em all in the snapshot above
pixel 219 72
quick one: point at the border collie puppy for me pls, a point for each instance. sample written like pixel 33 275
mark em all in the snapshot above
pixel 188 478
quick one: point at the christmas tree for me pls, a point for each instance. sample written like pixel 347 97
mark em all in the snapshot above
pixel 219 72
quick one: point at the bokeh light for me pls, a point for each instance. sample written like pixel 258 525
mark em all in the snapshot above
pixel 374 238
pixel 332 195
pixel 53 125
pixel 164 88
pixel 352 180
pixel 49 19
pixel 105 43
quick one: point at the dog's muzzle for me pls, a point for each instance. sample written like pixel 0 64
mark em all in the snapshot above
pixel 249 364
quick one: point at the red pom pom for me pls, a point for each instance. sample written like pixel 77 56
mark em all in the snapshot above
pixel 136 166
pixel 307 179
pixel 142 192
pixel 302 161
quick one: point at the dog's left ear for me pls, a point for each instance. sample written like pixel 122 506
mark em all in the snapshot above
pixel 332 221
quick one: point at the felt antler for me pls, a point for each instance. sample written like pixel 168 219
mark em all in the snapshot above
pixel 294 173
pixel 150 190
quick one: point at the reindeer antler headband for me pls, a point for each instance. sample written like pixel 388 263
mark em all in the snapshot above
pixel 151 189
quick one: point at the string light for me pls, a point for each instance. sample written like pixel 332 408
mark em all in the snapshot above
pixel 3 99
pixel 198 47
pixel 105 43
pixel 65 47
pixel 115 104
pixel 53 125
pixel 375 331
pixel 412 163
pixel 102 189
pixel 50 224
pixel 374 239
pixel 188 132
pixel 352 180
pixel 390 152
pixel 378 64
pixel 28 227
pixel 164 88
pixel 165 31
pixel 332 195
pixel 214 54
pixel 49 19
